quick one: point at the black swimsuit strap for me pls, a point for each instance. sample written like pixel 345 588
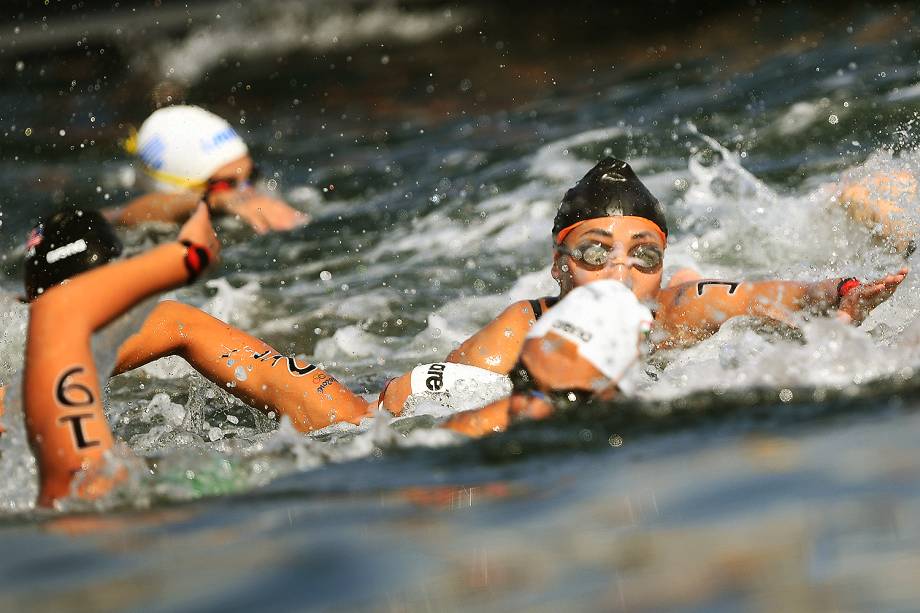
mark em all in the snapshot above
pixel 537 305
pixel 537 309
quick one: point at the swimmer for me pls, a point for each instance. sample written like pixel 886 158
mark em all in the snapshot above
pixel 580 350
pixel 75 286
pixel 190 154
pixel 608 227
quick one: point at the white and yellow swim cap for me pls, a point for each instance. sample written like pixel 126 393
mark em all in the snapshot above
pixel 180 147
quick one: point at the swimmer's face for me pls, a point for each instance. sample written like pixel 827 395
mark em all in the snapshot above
pixel 237 172
pixel 633 244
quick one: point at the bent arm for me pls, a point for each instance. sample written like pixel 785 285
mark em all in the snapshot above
pixel 496 347
pixel 63 406
pixel 243 365
pixel 91 300
pixel 157 206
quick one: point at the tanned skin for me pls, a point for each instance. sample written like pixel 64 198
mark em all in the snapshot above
pixel 871 201
pixel 309 396
pixel 61 397
pixel 263 214
pixel 686 313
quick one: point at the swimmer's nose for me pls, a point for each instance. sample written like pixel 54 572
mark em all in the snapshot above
pixel 618 259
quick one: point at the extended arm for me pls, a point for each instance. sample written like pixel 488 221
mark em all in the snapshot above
pixel 242 365
pixel 63 406
pixel 694 311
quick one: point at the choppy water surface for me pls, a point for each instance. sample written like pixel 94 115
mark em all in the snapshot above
pixel 431 144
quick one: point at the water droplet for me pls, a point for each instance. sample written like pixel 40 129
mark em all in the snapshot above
pixel 785 394
pixel 325 275
pixel 833 120
pixel 20 66
pixel 28 131
pixel 240 373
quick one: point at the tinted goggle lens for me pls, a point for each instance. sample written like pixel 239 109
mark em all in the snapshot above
pixel 595 255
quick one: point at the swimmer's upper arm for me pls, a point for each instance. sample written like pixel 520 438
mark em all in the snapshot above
pixel 694 310
pixel 496 346
pixel 62 400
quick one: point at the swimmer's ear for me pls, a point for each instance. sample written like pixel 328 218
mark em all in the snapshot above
pixel 555 271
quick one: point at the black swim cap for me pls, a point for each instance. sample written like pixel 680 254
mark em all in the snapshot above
pixel 610 189
pixel 65 244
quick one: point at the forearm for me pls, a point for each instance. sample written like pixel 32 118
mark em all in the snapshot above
pixel 98 296
pixel 244 366
pixel 172 208
pixel 481 422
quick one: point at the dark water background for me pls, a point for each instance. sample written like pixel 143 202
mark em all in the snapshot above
pixel 431 143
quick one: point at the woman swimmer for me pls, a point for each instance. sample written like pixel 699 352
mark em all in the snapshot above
pixel 190 154
pixel 608 227
pixel 74 289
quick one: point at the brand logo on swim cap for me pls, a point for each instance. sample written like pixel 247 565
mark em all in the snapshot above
pixel 226 135
pixel 572 329
pixel 56 255
pixel 151 154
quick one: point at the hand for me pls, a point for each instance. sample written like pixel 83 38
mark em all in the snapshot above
pixel 198 230
pixel 859 302
pixel 262 213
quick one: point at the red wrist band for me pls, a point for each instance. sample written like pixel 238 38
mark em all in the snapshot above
pixel 197 258
pixel 846 286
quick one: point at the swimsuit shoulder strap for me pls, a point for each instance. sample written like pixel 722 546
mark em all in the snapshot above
pixel 538 308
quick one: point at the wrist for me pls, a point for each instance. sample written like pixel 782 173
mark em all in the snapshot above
pixel 197 259
pixel 844 287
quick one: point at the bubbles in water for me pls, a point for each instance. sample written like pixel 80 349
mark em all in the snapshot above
pixel 833 120
pixel 325 275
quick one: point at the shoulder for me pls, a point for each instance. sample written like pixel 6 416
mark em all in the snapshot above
pixel 698 289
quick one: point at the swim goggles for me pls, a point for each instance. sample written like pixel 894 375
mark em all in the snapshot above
pixel 216 186
pixel 645 258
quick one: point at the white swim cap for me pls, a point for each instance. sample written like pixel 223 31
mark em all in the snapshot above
pixel 181 146
pixel 605 321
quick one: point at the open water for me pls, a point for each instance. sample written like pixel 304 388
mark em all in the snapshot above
pixel 431 144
